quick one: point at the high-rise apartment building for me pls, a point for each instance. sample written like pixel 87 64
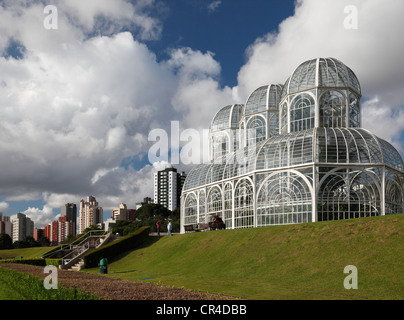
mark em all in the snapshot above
pixel 39 233
pixel 167 187
pixel 90 213
pixel 65 228
pixel 120 213
pixel 5 225
pixel 22 227
pixel 69 210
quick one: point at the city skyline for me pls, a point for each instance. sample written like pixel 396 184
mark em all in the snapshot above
pixel 76 115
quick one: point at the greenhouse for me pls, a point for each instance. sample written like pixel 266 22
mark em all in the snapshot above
pixel 295 153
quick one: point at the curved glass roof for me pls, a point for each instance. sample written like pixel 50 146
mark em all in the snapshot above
pixel 320 145
pixel 321 72
pixel 264 98
pixel 227 118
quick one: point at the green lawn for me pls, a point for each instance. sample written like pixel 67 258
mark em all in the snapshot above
pixel 28 253
pixel 304 261
pixel 7 293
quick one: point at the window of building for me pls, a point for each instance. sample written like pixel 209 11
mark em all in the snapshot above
pixel 302 113
pixel 332 110
pixel 243 205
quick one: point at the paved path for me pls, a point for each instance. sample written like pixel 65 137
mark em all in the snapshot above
pixel 154 234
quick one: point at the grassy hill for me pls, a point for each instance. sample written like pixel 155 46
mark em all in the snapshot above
pixel 28 253
pixel 304 261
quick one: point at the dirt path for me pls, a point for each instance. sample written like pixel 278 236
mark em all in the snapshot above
pixel 116 289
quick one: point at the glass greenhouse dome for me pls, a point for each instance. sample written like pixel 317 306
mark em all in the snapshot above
pixel 299 155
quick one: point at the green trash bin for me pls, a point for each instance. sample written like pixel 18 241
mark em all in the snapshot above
pixel 104 266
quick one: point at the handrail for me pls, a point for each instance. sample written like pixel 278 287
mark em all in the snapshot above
pixel 75 243
pixel 72 257
pixel 84 246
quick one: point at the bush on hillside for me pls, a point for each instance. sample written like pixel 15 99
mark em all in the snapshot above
pixel 129 242
pixel 34 262
pixel 148 215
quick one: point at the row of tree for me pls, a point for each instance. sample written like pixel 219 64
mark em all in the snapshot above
pixel 7 243
pixel 148 215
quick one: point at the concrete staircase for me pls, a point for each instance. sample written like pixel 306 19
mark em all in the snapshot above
pixel 78 266
pixel 72 255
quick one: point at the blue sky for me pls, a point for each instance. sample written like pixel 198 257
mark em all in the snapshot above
pixel 226 29
pixel 77 103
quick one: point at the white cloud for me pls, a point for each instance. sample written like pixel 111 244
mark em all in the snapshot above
pixel 84 97
pixel 316 29
pixel 81 99
pixel 213 6
pixel 4 206
pixel 41 217
pixel 199 95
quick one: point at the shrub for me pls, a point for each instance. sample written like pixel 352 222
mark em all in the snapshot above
pixel 34 262
pixel 129 242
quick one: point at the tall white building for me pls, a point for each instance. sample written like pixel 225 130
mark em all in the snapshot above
pixel 5 225
pixel 167 187
pixel 90 213
pixel 22 227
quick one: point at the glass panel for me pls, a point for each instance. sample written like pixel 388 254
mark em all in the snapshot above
pixel 302 109
pixel 256 130
pixel 190 209
pixel 284 199
pixel 243 205
pixel 257 102
pixel 332 110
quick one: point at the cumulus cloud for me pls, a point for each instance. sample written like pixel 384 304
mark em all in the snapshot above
pixel 81 99
pixel 4 206
pixel 77 102
pixel 318 29
pixel 199 95
pixel 41 217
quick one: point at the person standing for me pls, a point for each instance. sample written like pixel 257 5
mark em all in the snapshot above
pixel 158 226
pixel 169 228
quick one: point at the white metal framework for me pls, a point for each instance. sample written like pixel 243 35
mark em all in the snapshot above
pixel 295 154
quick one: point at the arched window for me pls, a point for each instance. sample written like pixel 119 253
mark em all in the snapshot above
pixel 284 198
pixel 284 118
pixel 220 145
pixel 228 206
pixel 273 124
pixel 302 113
pixel 332 110
pixel 256 130
pixel 354 111
pixel 202 211
pixel 214 203
pixel 242 136
pixel 190 209
pixel 243 205
pixel 348 194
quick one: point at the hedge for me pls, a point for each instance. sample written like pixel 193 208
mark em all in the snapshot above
pixel 111 250
pixel 34 262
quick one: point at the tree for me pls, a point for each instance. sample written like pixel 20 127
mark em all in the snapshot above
pixel 148 215
pixel 44 242
pixel 31 241
pixel 5 241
